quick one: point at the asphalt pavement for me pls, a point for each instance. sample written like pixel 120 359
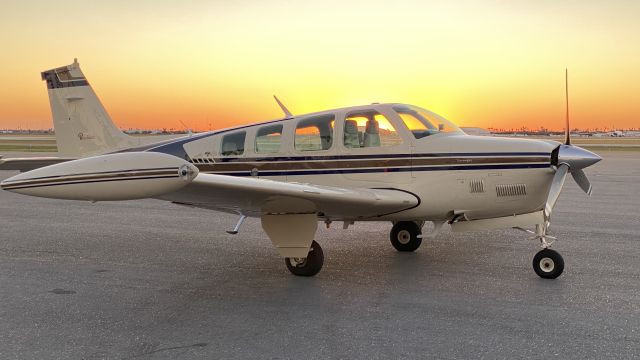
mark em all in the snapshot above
pixel 152 280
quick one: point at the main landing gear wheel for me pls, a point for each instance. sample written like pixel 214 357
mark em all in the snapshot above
pixel 548 264
pixel 405 236
pixel 308 266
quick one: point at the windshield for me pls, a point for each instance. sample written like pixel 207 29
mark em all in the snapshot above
pixel 423 122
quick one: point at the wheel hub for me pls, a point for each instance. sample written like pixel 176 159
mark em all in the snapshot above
pixel 546 264
pixel 404 237
pixel 299 262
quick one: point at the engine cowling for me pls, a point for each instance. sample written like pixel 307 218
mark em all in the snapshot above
pixel 123 176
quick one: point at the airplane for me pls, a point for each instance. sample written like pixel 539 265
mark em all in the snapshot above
pixel 389 162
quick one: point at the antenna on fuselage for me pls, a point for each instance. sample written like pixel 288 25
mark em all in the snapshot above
pixel 287 113
pixel 189 132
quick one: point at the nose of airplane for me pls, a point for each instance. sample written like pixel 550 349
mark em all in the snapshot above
pixel 576 157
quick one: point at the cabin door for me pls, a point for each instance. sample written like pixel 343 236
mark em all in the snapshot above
pixel 372 151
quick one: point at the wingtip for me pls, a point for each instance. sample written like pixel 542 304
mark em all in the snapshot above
pixel 3 184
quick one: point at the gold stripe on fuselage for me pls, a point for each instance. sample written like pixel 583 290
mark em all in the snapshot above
pixel 239 165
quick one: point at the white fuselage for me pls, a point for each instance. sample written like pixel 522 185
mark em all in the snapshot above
pixel 452 172
pixel 444 173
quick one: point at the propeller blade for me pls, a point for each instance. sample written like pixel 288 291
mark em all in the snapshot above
pixel 556 188
pixel 567 133
pixel 582 181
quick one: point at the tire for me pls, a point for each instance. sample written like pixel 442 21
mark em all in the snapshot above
pixel 404 236
pixel 309 266
pixel 548 264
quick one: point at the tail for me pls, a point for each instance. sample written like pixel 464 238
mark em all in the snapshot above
pixel 83 127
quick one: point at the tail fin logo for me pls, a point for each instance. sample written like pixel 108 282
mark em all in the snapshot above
pixel 83 136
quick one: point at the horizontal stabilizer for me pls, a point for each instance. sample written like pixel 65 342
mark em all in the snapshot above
pixel 28 164
pixel 128 176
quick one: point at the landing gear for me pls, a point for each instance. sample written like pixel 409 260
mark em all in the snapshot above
pixel 548 264
pixel 308 266
pixel 406 236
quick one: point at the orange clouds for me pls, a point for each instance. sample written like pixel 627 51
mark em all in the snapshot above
pixel 155 64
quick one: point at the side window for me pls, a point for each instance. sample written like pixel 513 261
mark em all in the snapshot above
pixel 315 133
pixel 422 122
pixel 233 144
pixel 268 139
pixel 369 129
pixel 416 125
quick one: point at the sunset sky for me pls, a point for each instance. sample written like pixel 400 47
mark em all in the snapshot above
pixel 155 64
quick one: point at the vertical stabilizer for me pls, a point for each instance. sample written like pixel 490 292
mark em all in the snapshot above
pixel 83 127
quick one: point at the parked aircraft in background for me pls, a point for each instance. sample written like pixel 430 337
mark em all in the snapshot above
pixel 379 162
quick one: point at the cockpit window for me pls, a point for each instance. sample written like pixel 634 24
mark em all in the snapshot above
pixel 422 122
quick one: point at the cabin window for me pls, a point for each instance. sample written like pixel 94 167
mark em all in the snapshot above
pixel 233 144
pixel 268 139
pixel 315 133
pixel 365 129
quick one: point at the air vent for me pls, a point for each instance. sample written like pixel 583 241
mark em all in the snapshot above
pixel 503 190
pixel 476 186
pixel 202 160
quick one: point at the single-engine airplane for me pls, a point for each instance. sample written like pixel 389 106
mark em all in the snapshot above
pixel 379 162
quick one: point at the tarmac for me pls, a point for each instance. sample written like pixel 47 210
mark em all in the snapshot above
pixel 151 280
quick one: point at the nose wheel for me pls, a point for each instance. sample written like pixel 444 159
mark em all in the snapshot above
pixel 548 264
pixel 308 266
pixel 406 236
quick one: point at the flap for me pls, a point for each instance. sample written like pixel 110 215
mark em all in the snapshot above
pixel 263 196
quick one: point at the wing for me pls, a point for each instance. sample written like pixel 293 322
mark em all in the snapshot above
pixel 254 196
pixel 31 163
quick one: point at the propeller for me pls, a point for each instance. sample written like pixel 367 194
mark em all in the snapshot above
pixel 582 181
pixel 569 159
pixel 556 188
